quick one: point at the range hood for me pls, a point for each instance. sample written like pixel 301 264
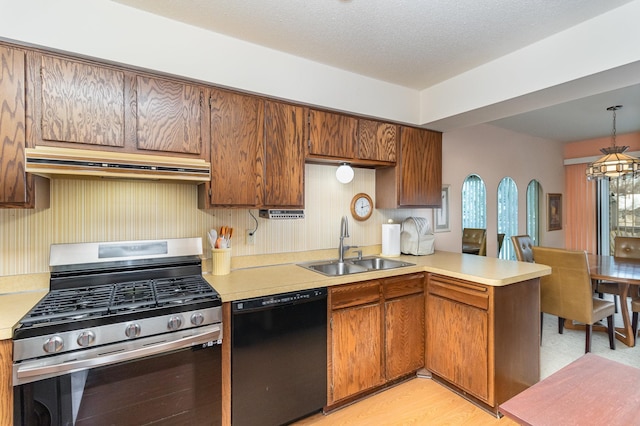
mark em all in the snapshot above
pixel 51 161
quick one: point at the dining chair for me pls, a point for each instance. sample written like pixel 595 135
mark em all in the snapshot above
pixel 500 242
pixel 474 240
pixel 523 245
pixel 627 247
pixel 635 308
pixel 567 292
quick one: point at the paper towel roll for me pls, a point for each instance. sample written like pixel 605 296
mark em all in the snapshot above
pixel 391 239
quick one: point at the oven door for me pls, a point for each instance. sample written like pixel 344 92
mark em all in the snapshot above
pixel 181 386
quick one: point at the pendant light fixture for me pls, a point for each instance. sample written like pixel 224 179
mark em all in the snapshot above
pixel 615 163
pixel 344 173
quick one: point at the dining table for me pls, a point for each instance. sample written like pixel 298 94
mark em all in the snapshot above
pixel 624 271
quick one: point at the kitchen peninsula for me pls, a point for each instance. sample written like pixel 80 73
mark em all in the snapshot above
pixel 480 317
pixel 496 302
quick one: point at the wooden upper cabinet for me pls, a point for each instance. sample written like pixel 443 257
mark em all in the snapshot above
pixel 377 141
pixel 284 155
pixel 332 135
pixel 416 179
pixel 75 102
pixel 171 116
pixel 236 149
pixel 17 188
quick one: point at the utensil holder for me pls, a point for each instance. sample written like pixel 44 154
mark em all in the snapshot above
pixel 220 261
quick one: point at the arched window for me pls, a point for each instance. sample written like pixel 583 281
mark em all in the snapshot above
pixel 507 217
pixel 474 203
pixel 533 211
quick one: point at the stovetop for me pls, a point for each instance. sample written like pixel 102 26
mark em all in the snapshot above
pixel 80 307
pixel 96 284
pixel 83 302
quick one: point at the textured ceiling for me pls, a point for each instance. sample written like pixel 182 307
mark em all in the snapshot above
pixel 410 43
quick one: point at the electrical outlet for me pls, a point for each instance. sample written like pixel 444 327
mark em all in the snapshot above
pixel 251 237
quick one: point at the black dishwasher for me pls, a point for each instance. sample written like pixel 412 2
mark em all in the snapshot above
pixel 278 357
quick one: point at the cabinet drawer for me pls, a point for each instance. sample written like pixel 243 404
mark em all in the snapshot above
pixel 402 285
pixel 348 295
pixel 459 291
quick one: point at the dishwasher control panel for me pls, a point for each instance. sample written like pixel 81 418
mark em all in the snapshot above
pixel 279 299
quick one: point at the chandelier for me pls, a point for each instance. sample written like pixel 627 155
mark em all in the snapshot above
pixel 615 162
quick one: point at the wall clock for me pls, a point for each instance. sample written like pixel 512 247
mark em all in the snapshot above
pixel 361 206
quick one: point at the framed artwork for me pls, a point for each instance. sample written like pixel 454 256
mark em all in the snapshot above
pixel 554 212
pixel 441 215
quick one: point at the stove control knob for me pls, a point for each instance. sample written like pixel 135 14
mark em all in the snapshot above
pixel 53 344
pixel 197 318
pixel 174 322
pixel 132 330
pixel 86 338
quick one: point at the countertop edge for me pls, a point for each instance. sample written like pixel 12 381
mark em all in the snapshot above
pixel 268 280
pixel 261 281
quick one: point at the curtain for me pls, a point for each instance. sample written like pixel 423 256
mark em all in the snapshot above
pixel 580 207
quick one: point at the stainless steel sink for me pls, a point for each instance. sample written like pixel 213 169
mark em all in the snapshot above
pixel 335 268
pixel 377 263
pixel 354 266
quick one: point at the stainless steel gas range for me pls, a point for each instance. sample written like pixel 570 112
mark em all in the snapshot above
pixel 130 317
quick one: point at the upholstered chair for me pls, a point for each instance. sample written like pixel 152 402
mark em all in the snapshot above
pixel 628 247
pixel 567 293
pixel 474 240
pixel 523 246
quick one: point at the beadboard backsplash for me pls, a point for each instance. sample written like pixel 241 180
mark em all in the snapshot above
pixel 112 210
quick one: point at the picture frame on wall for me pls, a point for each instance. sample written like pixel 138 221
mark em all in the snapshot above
pixel 554 212
pixel 441 215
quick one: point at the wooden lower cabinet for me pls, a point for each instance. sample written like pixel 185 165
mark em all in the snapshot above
pixel 357 350
pixel 6 388
pixel 483 340
pixel 376 335
pixel 404 325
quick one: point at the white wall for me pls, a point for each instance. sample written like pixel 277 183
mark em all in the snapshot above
pixel 110 31
pixel 494 153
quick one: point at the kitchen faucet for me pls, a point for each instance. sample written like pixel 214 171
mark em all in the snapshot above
pixel 344 233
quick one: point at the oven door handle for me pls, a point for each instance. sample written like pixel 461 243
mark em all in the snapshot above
pixel 25 374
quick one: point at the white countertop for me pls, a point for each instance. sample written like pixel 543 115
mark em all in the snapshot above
pixel 18 294
pixel 263 281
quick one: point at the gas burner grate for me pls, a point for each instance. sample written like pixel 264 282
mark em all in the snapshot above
pixel 71 303
pixel 78 303
pixel 182 290
pixel 133 295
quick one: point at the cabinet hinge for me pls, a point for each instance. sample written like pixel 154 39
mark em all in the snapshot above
pixel 331 325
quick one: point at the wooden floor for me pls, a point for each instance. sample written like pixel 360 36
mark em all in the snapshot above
pixel 415 402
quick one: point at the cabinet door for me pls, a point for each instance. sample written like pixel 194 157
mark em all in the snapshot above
pixel 13 179
pixel 6 389
pixel 17 188
pixel 76 102
pixel 404 335
pixel 376 141
pixel 284 155
pixel 171 116
pixel 404 324
pixel 332 135
pixel 236 149
pixel 356 357
pixel 421 167
pixel 457 335
pixel 416 179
